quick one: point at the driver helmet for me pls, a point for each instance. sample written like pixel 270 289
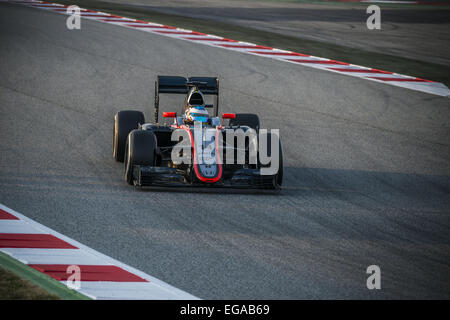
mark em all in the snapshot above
pixel 196 113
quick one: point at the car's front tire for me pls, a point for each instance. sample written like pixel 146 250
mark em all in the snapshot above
pixel 246 119
pixel 124 122
pixel 140 149
pixel 278 178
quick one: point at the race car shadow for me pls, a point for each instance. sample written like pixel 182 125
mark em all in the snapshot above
pixel 211 190
pixel 302 181
pixel 381 187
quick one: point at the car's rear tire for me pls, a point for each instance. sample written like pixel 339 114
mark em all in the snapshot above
pixel 278 179
pixel 124 122
pixel 140 149
pixel 246 119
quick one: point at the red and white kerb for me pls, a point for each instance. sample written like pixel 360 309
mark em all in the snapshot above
pixel 51 253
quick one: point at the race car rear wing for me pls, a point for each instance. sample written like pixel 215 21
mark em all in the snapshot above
pixel 181 85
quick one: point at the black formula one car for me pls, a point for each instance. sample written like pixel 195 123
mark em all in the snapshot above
pixel 198 148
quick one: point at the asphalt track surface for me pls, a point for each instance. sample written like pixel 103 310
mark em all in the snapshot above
pixel 367 167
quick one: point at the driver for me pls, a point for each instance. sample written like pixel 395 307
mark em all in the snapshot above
pixel 195 108
pixel 196 113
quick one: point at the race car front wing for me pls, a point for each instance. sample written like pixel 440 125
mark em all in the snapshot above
pixel 241 178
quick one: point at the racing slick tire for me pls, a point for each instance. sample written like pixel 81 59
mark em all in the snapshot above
pixel 246 119
pixel 124 122
pixel 278 178
pixel 139 150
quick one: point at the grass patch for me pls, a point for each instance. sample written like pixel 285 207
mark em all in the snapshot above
pixel 430 71
pixel 12 287
pixel 19 281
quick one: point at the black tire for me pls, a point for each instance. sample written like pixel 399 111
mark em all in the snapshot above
pixel 246 119
pixel 279 175
pixel 124 122
pixel 139 150
pixel 279 178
